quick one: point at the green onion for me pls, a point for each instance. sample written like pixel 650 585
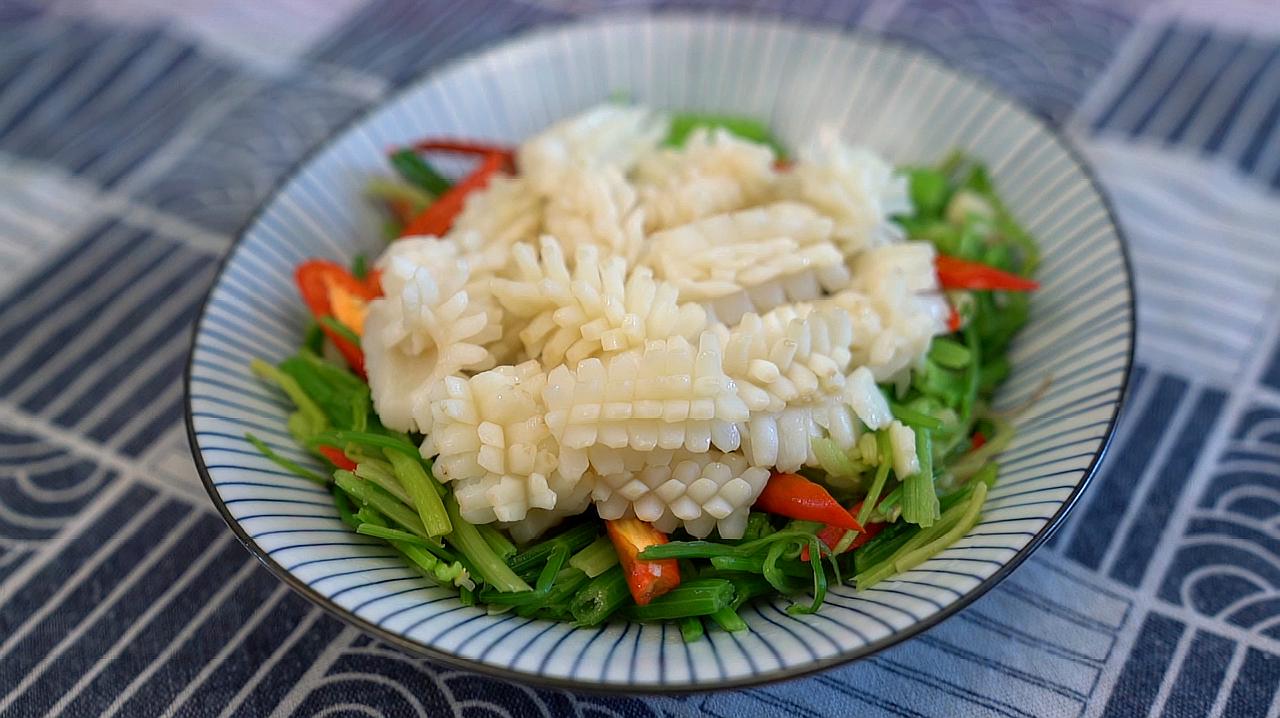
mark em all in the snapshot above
pixel 422 489
pixel 445 574
pixel 729 620
pixel 758 526
pixel 567 583
pixel 950 354
pixel 369 494
pixel 913 418
pixel 417 172
pixel 600 598
pixel 338 392
pixel 367 439
pixel 916 556
pixel 341 329
pixel 287 464
pixel 394 191
pixel 972 462
pixel 479 555
pixel 313 416
pixel 684 124
pixel 699 597
pixel 575 539
pixel 599 556
pixel 381 473
pixel 346 511
pixel 497 540
pixel 390 534
pixel 710 549
pixel 542 588
pixel 930 191
pixel 919 497
pixel 832 460
pixel 885 451
pixel 691 629
pixel 886 567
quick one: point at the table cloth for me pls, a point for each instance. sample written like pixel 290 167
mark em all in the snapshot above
pixel 136 136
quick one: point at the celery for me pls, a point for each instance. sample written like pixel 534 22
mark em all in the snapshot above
pixel 477 552
pixel 596 558
pixel 287 464
pixel 421 488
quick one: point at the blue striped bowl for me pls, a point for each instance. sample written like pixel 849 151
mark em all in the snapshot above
pixel 904 103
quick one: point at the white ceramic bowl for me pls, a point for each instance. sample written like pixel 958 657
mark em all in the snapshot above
pixel 899 100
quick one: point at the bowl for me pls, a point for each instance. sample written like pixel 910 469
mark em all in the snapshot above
pixel 1071 363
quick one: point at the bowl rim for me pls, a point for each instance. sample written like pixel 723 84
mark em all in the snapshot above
pixel 549 30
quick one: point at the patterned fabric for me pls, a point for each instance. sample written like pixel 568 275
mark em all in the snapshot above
pixel 137 135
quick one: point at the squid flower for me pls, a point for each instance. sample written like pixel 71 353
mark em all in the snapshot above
pixel 714 172
pixel 592 310
pixel 492 444
pixel 607 135
pixel 699 492
pixel 425 328
pixel 668 396
pixel 750 260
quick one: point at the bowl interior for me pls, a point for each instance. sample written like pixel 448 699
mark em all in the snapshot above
pixel 902 102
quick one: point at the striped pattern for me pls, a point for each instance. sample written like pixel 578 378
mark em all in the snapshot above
pixel 93 102
pixel 86 348
pixel 1211 91
pixel 219 180
pixel 1080 335
pixel 39 210
pixel 1044 53
pixel 1054 669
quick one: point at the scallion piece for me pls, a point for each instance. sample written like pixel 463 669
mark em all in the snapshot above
pixel 369 494
pixel 389 534
pixel 885 451
pixel 314 416
pixel 289 465
pixel 691 629
pixel 913 418
pixel 422 489
pixel 382 474
pixel 919 497
pixel 728 619
pixel 599 556
pixel 497 540
pixel 699 597
pixel 575 539
pixel 600 598
pixel 365 438
pixel 417 172
pixel 479 555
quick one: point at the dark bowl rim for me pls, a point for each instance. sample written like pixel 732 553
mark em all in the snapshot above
pixel 549 30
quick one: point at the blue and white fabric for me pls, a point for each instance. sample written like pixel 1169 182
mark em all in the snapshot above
pixel 137 135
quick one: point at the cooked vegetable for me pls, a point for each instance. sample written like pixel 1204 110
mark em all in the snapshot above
pixel 796 497
pixel 647 579
pixel 956 273
pixel 714 354
pixel 436 219
pixel 331 292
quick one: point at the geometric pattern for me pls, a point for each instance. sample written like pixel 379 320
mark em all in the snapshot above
pixel 121 595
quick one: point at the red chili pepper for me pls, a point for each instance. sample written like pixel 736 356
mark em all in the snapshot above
pixel 438 217
pixel 467 147
pixel 954 322
pixel 336 457
pixel 978 440
pixel 796 497
pixel 647 579
pixel 962 274
pixel 782 164
pixel 831 536
pixel 329 290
